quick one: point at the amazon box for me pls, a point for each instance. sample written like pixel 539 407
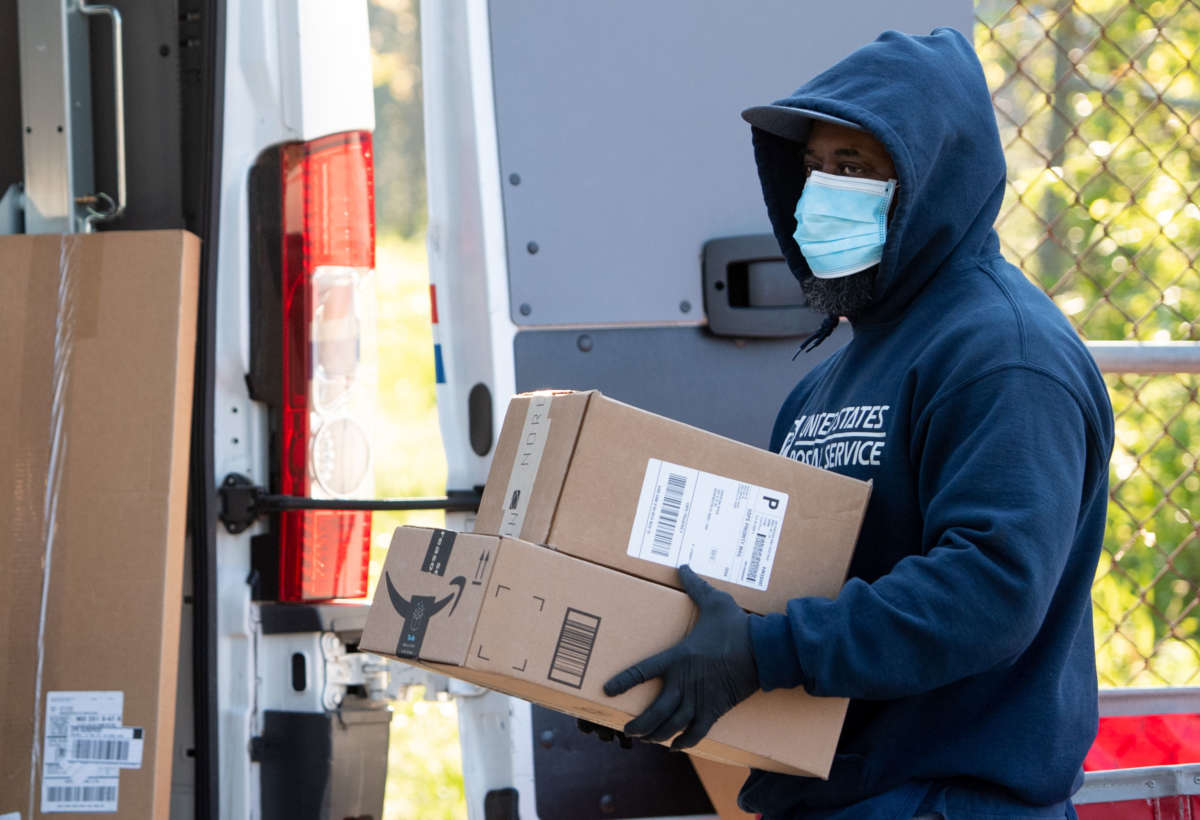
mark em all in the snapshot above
pixel 97 336
pixel 551 628
pixel 618 486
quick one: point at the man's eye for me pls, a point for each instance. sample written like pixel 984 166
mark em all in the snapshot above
pixel 846 169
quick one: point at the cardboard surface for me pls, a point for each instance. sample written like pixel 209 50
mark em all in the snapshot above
pixel 722 783
pixel 446 572
pixel 590 477
pixel 551 628
pixel 98 335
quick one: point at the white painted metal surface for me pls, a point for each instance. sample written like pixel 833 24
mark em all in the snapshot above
pixel 466 228
pixel 1138 784
pixel 284 81
pixel 325 61
pixel 1167 700
pixel 1146 357
pixel 466 266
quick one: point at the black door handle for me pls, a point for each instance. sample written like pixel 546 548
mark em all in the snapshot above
pixel 749 291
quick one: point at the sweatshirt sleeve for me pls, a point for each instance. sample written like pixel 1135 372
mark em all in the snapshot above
pixel 999 465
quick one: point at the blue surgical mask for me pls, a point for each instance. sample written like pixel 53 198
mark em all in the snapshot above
pixel 841 223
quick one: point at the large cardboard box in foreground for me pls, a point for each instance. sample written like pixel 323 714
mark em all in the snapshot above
pixel 551 628
pixel 641 493
pixel 97 337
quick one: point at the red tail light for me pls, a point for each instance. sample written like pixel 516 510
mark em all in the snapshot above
pixel 328 261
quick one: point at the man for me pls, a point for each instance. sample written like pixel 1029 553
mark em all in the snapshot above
pixel 963 635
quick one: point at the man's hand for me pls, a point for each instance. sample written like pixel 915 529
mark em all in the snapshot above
pixel 704 675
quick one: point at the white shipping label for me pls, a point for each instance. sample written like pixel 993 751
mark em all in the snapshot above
pixel 721 527
pixel 72 786
pixel 113 745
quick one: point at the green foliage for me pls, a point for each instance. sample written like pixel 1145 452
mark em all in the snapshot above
pixel 1097 106
pixel 409 459
pixel 424 762
pixel 399 118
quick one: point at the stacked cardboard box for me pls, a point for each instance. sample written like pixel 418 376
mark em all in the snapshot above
pixel 550 628
pixel 612 484
pixel 621 497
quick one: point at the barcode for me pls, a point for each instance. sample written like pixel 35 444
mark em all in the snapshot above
pixel 760 541
pixel 81 794
pixel 101 750
pixel 668 515
pixel 574 648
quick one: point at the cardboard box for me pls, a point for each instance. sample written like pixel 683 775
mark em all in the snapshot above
pixel 722 783
pixel 97 333
pixel 641 493
pixel 550 628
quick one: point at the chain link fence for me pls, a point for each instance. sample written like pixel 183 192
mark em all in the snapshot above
pixel 1098 103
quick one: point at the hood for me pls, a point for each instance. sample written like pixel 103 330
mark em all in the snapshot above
pixel 926 99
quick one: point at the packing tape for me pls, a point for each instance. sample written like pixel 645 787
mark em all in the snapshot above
pixel 60 350
pixel 534 434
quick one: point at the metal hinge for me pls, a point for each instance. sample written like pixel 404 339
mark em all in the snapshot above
pixel 381 679
pixel 243 501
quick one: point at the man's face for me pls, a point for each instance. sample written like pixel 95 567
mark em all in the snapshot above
pixel 836 149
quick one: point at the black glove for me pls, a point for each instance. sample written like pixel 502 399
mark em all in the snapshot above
pixel 604 733
pixel 704 675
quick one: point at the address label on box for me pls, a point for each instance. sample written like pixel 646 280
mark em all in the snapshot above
pixel 69 785
pixel 721 527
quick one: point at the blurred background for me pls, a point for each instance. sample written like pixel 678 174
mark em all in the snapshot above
pixel 1097 103
pixel 424 764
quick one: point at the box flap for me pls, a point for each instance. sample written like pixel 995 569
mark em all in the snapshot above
pixel 428 598
pixel 742 728
pixel 722 783
pixel 532 454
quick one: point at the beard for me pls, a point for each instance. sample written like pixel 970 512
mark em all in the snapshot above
pixel 844 296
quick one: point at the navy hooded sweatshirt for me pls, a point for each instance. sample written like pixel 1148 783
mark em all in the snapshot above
pixel 964 633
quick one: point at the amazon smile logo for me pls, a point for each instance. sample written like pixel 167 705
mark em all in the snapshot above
pixel 417 612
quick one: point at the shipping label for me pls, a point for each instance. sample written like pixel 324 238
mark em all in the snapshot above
pixel 119 746
pixel 69 784
pixel 721 527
